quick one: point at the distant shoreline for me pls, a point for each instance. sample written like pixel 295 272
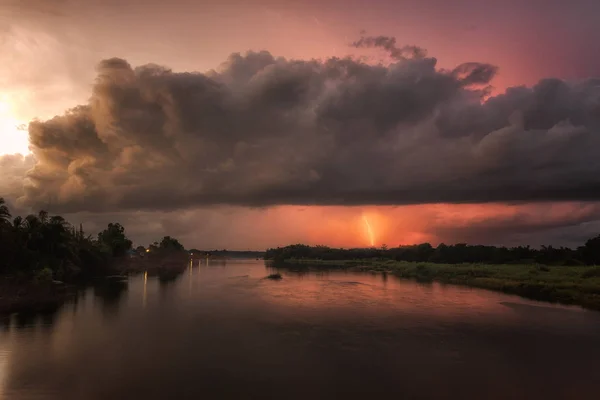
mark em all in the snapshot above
pixel 569 285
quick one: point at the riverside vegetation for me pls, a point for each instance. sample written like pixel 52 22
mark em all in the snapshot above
pixel 42 257
pixel 562 275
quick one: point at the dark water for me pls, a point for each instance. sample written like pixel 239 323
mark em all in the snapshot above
pixel 224 332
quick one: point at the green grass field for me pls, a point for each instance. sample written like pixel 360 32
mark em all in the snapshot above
pixel 578 285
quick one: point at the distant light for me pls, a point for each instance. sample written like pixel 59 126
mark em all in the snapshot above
pixel 147 250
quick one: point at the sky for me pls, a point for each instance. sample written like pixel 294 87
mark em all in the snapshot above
pixel 259 123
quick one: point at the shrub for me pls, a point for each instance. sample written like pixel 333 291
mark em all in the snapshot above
pixel 593 272
pixel 43 276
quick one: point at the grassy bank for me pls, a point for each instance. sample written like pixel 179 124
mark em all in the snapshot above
pixel 576 285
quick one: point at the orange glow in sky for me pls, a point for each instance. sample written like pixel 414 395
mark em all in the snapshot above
pixel 339 226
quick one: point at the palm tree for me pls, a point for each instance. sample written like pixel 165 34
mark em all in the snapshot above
pixel 5 238
pixel 18 223
pixel 59 221
pixel 32 229
pixel 43 217
pixel 32 222
pixel 59 238
pixel 4 213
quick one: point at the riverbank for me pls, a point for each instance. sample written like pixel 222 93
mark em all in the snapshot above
pixel 576 285
pixel 31 296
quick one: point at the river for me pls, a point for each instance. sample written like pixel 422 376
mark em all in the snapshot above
pixel 223 331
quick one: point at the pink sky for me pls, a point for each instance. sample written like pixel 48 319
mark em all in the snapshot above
pixel 53 48
pixel 55 45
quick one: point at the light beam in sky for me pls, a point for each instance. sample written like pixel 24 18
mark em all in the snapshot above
pixel 369 231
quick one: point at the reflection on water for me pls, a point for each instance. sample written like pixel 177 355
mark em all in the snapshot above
pixel 109 294
pixel 145 291
pixel 223 331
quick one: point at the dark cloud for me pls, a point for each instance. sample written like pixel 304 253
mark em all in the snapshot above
pixel 262 130
pixel 537 224
pixel 388 44
pixel 207 228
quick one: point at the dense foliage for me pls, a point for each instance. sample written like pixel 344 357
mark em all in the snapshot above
pixel 170 244
pixel 113 237
pixel 460 253
pixel 240 254
pixel 45 247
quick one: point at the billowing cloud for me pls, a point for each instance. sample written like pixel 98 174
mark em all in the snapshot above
pixel 262 130
pixel 13 169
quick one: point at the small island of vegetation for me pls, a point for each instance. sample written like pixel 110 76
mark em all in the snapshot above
pixel 562 275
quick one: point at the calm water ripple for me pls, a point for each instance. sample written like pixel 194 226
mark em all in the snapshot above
pixel 223 331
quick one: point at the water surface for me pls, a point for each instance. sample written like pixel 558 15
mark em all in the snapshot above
pixel 222 331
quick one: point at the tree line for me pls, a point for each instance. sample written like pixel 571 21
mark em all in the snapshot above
pixel 587 254
pixel 47 247
pixel 241 254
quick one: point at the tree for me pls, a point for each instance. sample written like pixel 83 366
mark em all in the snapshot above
pixel 153 247
pixel 6 245
pixel 4 213
pixel 591 251
pixel 17 223
pixel 43 216
pixel 41 247
pixel 171 244
pixel 114 237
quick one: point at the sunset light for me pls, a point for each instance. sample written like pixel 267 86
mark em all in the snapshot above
pixel 13 134
pixel 299 199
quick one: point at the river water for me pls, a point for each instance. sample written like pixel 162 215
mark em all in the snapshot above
pixel 223 331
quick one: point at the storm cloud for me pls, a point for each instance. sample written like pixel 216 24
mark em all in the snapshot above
pixel 261 131
pixel 13 169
